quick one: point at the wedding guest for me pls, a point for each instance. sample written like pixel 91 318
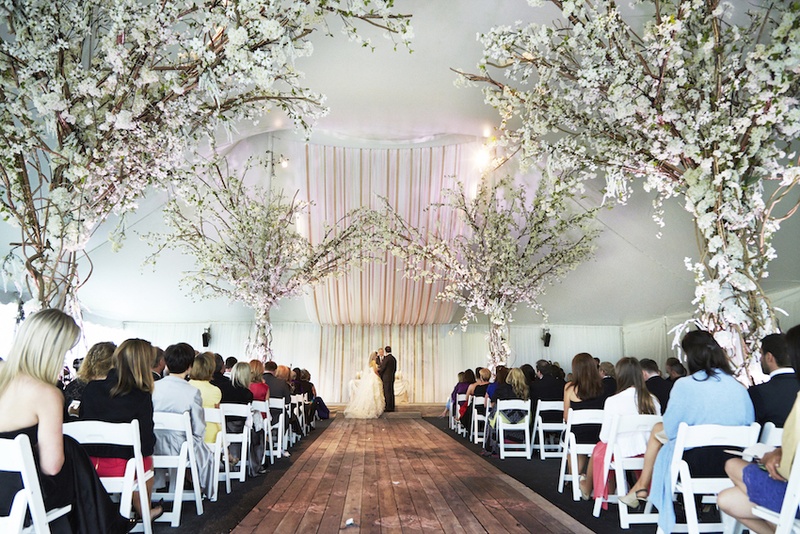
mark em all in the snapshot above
pixel 675 369
pixel 657 385
pixel 123 396
pixel 284 373
pixel 609 379
pixel 529 372
pixel 174 394
pixel 230 361
pixel 585 392
pixel 307 378
pixel 95 366
pixel 764 483
pixel 773 399
pixel 158 364
pixel 547 387
pixel 696 400
pixel 259 389
pixel 633 399
pixel 514 387
pixel 31 404
pixel 201 373
pixel 221 381
pixel 476 390
pixel 240 380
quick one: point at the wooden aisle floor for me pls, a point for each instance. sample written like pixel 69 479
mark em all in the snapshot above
pixel 394 476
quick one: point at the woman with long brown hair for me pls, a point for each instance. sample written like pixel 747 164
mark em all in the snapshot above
pixel 585 392
pixel 124 395
pixel 632 398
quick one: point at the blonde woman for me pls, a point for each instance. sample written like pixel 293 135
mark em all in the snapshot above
pixel 126 394
pixel 258 387
pixel 31 404
pixel 515 387
pixel 202 370
pixel 368 401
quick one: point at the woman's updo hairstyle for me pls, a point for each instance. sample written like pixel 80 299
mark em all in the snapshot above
pixel 703 353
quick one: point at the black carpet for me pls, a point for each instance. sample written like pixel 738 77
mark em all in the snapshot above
pixel 542 477
pixel 223 516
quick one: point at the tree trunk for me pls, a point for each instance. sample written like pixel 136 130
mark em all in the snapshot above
pixel 499 351
pixel 259 346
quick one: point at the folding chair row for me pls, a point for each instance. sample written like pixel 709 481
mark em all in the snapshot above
pixel 540 428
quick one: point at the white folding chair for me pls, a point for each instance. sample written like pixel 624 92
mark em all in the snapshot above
pixel 243 437
pixel 478 424
pixel 461 398
pixel 263 407
pixel 771 435
pixel 615 459
pixel 178 423
pixel 502 426
pixel 554 450
pixel 16 455
pixel 135 477
pixel 298 409
pixel 785 520
pixel 681 479
pixel 277 425
pixel 572 448
pixel 214 415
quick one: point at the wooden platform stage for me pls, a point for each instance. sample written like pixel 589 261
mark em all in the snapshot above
pixel 399 475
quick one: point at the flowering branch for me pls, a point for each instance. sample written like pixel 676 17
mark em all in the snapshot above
pixel 100 99
pixel 247 248
pixel 511 251
pixel 695 106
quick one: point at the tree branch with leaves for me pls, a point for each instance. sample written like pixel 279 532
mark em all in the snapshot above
pixel 691 104
pixel 511 250
pixel 247 247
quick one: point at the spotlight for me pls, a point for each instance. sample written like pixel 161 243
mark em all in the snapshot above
pixel 206 336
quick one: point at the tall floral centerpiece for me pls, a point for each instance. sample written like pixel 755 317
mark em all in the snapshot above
pixel 248 249
pixel 100 99
pixel 512 249
pixel 701 102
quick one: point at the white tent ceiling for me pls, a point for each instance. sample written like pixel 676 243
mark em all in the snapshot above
pixel 387 98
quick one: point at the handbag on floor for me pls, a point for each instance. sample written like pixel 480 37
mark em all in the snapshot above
pixel 322 410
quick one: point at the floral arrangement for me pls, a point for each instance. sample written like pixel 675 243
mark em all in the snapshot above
pixel 103 98
pixel 247 247
pixel 701 103
pixel 512 249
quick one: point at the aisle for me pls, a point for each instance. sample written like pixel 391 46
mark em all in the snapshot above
pixel 399 475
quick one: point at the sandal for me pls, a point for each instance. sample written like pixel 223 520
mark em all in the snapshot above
pixel 584 494
pixel 632 499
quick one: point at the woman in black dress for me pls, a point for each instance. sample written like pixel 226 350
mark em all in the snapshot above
pixel 585 392
pixel 31 404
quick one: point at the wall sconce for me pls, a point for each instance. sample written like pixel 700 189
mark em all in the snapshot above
pixel 206 336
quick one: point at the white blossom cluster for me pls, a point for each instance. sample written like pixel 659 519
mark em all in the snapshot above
pixel 248 249
pixel 512 250
pixel 692 105
pixel 103 98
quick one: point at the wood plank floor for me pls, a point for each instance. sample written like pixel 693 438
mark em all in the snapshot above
pixel 395 476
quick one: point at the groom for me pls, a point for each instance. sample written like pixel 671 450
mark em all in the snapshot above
pixel 386 369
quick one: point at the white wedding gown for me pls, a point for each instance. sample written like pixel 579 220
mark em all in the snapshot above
pixel 368 401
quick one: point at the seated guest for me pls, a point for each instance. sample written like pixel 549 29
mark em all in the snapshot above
pixel 284 373
pixel 31 404
pixel 258 388
pixel 125 395
pixel 710 395
pixel 764 483
pixel 158 364
pixel 500 375
pixel 221 381
pixel 773 399
pixel 547 387
pixel 95 366
pixel 201 373
pixel 529 372
pixel 674 369
pixel 514 387
pixel 465 379
pixel 173 394
pixel 230 361
pixel 654 383
pixel 240 379
pixel 278 388
pixel 585 392
pixel 609 380
pixel 633 399
pixel 477 389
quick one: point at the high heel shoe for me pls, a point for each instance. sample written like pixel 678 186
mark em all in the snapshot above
pixel 632 499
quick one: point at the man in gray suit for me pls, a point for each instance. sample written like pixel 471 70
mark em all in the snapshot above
pixel 174 394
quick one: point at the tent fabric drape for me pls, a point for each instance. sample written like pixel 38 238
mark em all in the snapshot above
pixel 339 179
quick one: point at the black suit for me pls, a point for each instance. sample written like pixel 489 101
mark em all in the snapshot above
pixel 773 400
pixel 278 388
pixel 660 388
pixel 548 388
pixel 386 370
pixel 609 386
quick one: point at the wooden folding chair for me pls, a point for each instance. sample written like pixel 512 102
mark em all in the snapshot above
pixel 478 424
pixel 502 425
pixel 554 450
pixel 220 448
pixel 243 437
pixel 572 448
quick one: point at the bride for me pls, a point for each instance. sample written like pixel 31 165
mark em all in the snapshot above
pixel 368 401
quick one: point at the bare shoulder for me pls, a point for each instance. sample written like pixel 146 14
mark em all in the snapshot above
pixel 26 401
